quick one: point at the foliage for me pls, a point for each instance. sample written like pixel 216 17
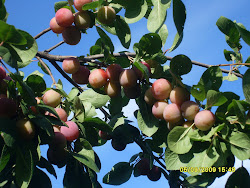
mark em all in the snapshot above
pixel 21 163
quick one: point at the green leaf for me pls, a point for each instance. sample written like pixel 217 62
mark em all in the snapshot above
pixel 176 161
pixel 36 83
pixel 92 5
pixel 86 156
pixel 245 34
pixel 78 109
pixel 43 163
pixel 246 85
pixel 177 41
pixel 98 123
pixel 96 99
pixel 163 33
pixel 60 4
pixel 40 179
pixel 204 159
pixel 179 15
pixel 5 157
pixel 8 129
pixel 181 65
pixel 42 67
pixel 24 168
pixel 240 145
pixel 3 12
pixel 23 54
pixel 73 93
pixel 158 15
pixel 9 34
pixel 148 124
pixel 119 174
pixel 123 31
pixel 179 141
pixel 215 98
pixel 240 178
pixel 75 176
pixel 228 27
pixel 105 39
pixel 203 180
pixel 135 10
pixel 150 43
pixel 89 110
pixel 211 79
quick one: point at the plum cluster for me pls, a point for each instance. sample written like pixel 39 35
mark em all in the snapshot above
pixel 143 168
pixel 110 79
pixel 70 25
pixel 56 153
pixel 180 108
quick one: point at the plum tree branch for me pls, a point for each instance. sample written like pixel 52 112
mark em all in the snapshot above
pixel 65 75
pixel 94 58
pixel 42 33
pixel 47 69
pixel 54 47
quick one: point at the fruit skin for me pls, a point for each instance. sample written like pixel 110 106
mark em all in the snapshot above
pixel 3 87
pixel 71 65
pixel 204 120
pixel 172 113
pixel 7 107
pixel 57 156
pixel 82 20
pixel 139 73
pixel 51 98
pixel 2 73
pixel 98 78
pixel 158 108
pixel 173 125
pixel 104 135
pixel 189 110
pixel 113 72
pixel 71 35
pixel 149 98
pixel 128 78
pixel 187 124
pixel 143 166
pixel 82 75
pixel 61 113
pixel 79 3
pixel 55 27
pixel 64 17
pixel 133 92
pixel 118 145
pixel 59 141
pixel 112 89
pixel 154 174
pixel 25 129
pixel 161 89
pixel 106 15
pixel 179 95
pixel 71 132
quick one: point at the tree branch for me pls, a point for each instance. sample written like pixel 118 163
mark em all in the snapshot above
pixel 65 75
pixel 93 59
pixel 42 33
pixel 54 47
pixel 47 69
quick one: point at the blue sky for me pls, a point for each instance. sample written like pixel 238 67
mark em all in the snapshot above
pixel 202 42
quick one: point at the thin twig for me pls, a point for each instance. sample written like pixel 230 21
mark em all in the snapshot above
pixel 4 65
pixel 47 69
pixel 54 47
pixel 232 64
pixel 65 75
pixel 42 33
